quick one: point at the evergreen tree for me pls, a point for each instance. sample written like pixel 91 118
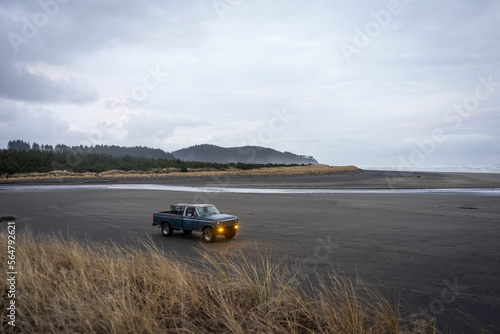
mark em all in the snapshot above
pixel 18 145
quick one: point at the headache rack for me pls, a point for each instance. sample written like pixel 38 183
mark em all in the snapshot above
pixel 178 209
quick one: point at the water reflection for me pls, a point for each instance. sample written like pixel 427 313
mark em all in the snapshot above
pixel 159 187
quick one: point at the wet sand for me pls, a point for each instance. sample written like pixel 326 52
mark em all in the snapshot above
pixel 438 253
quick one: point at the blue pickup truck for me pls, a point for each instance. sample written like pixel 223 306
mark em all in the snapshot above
pixel 203 218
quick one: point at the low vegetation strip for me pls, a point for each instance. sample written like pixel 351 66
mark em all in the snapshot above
pixel 160 173
pixel 74 287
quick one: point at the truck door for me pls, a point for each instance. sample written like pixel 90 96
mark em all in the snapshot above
pixel 191 219
pixel 175 218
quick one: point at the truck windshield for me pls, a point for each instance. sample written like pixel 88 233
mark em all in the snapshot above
pixel 207 211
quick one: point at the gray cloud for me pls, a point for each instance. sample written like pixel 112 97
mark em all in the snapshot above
pixel 33 125
pixel 153 130
pixel 19 84
pixel 60 31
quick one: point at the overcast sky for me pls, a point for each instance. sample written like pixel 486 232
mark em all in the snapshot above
pixel 369 83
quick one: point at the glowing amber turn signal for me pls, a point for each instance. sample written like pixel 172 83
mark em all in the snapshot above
pixel 236 226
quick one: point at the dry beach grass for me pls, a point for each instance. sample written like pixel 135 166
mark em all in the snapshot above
pixel 319 169
pixel 69 286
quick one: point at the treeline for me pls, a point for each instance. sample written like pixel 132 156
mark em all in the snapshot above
pixel 33 161
pixel 113 150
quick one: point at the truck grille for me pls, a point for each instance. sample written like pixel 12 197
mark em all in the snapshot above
pixel 229 223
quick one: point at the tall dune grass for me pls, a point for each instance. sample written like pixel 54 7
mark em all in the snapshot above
pixel 318 169
pixel 65 286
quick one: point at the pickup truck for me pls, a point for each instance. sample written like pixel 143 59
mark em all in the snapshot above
pixel 204 218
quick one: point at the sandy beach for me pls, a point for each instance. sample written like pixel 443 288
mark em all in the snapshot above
pixel 436 255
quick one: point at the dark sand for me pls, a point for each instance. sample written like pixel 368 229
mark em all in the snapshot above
pixel 437 253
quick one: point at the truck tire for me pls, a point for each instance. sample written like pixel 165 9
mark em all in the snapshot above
pixel 208 235
pixel 166 230
pixel 229 234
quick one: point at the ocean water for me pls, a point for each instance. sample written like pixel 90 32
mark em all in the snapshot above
pixel 491 168
pixel 158 187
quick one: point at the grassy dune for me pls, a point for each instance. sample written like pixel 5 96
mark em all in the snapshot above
pixel 175 172
pixel 73 287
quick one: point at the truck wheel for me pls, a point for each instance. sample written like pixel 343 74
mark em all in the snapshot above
pixel 166 230
pixel 187 232
pixel 230 234
pixel 208 235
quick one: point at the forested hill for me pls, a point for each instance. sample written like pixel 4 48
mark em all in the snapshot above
pixel 245 154
pixel 113 150
pixel 201 153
